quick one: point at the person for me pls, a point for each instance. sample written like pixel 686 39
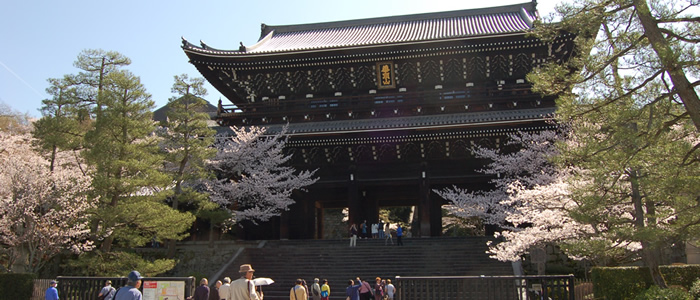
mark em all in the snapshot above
pixel 202 291
pixel 378 289
pixel 353 290
pixel 298 292
pixel 325 290
pixel 315 290
pixel 353 235
pixel 225 289
pixel 399 234
pixel 375 232
pixel 214 293
pixel 52 292
pixel 131 290
pixel 363 227
pixel 365 290
pixel 387 234
pixel 243 288
pixel 390 289
pixel 107 292
pixel 380 228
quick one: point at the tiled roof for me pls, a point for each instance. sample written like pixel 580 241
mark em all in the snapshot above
pixel 414 122
pixel 391 30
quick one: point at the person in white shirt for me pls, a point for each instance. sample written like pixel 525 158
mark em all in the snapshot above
pixel 224 290
pixel 390 289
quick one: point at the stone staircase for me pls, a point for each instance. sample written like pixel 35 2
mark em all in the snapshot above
pixel 286 260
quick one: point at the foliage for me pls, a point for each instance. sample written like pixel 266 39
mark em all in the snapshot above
pixel 13 121
pixel 253 181
pixel 187 140
pixel 117 263
pixel 695 289
pixel 42 211
pixel 627 282
pixel 657 293
pixel 16 286
pixel 653 42
pixel 107 111
pixel 530 196
pixel 634 120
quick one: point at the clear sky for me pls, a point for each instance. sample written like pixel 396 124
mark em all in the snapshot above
pixel 41 39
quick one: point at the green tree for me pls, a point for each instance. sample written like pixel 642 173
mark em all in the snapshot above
pixel 126 157
pixel 60 127
pixel 187 143
pixel 634 125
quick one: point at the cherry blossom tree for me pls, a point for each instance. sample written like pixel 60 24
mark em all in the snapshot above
pixel 254 182
pixel 529 201
pixel 42 212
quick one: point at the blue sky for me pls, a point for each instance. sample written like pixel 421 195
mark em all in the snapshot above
pixel 41 39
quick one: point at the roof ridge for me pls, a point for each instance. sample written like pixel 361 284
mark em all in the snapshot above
pixel 513 8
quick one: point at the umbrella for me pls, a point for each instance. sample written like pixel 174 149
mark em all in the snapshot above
pixel 263 281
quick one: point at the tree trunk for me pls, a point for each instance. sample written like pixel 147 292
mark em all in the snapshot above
pixel 650 256
pixel 669 61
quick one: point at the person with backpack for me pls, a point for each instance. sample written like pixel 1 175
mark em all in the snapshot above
pixel 315 290
pixel 107 292
pixel 325 290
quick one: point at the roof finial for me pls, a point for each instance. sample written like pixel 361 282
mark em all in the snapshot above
pixel 241 48
pixel 204 45
pixel 184 41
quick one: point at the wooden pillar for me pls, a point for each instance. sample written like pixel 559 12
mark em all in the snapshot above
pixel 424 205
pixel 354 205
pixel 319 220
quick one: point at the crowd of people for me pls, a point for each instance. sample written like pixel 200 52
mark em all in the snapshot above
pixel 244 288
pixel 356 290
pixel 376 231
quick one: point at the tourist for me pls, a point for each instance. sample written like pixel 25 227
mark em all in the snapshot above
pixel 380 228
pixel 353 235
pixel 363 228
pixel 387 234
pixel 375 233
pixel 52 292
pixel 353 291
pixel 243 288
pixel 315 292
pixel 131 290
pixel 399 234
pixel 390 289
pixel 378 289
pixel 365 290
pixel 107 292
pixel 325 290
pixel 214 293
pixel 225 289
pixel 202 291
pixel 298 292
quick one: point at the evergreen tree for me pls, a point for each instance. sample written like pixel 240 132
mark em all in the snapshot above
pixel 634 124
pixel 187 141
pixel 124 152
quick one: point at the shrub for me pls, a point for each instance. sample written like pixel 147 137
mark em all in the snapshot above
pixel 657 293
pixel 695 289
pixel 627 282
pixel 16 286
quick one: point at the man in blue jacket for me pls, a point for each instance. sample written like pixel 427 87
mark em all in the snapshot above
pixel 52 292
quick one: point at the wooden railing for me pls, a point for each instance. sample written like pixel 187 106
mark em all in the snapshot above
pixel 485 287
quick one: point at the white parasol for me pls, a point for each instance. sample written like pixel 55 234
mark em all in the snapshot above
pixel 263 281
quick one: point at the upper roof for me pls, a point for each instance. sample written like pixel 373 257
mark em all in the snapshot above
pixel 515 18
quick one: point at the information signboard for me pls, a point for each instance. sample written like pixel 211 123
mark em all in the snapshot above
pixel 164 290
